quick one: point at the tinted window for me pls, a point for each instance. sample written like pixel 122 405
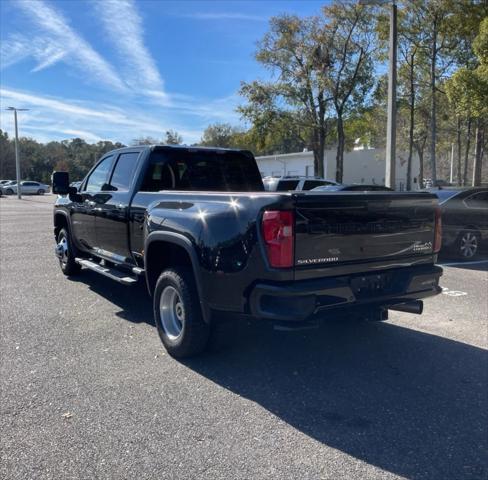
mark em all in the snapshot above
pixel 99 176
pixel 197 170
pixel 124 170
pixel 328 188
pixel 478 200
pixel 309 184
pixel 285 185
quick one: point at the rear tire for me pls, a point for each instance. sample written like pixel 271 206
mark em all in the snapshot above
pixel 9 191
pixel 67 262
pixel 41 192
pixel 468 245
pixel 178 315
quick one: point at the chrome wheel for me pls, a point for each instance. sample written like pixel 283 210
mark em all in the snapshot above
pixel 171 312
pixel 468 245
pixel 62 250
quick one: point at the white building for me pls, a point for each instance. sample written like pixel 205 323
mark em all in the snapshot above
pixel 360 166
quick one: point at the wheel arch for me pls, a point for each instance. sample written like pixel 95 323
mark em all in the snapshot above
pixel 470 228
pixel 163 250
pixel 60 221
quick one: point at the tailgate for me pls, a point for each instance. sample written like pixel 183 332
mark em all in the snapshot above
pixel 335 228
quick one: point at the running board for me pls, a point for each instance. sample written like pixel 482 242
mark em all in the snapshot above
pixel 112 273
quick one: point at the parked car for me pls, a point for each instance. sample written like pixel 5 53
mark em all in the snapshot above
pixel 2 183
pixel 286 183
pixel 464 220
pixel 353 188
pixel 27 187
pixel 197 225
pixel 6 185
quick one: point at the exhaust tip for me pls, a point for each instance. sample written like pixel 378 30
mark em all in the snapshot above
pixel 417 307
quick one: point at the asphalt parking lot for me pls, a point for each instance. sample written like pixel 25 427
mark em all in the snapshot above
pixel 87 390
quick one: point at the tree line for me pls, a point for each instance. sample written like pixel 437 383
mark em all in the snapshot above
pixel 327 89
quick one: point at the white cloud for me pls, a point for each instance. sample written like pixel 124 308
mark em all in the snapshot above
pixel 88 136
pixel 64 43
pixel 19 47
pixel 55 41
pixel 123 25
pixel 24 99
pixel 13 50
pixel 88 120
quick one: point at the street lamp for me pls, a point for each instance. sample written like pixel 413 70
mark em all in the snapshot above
pixel 17 159
pixel 390 168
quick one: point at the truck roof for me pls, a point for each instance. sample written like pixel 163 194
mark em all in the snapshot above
pixel 179 147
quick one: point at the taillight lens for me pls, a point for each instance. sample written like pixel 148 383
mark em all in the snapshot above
pixel 438 230
pixel 278 237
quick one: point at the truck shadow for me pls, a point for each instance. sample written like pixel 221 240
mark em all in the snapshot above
pixel 134 301
pixel 408 402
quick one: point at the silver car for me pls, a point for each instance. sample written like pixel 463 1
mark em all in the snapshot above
pixel 294 182
pixel 27 187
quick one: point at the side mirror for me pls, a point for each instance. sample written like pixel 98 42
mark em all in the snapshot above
pixel 108 188
pixel 60 182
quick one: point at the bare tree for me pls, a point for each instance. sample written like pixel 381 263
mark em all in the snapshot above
pixel 347 32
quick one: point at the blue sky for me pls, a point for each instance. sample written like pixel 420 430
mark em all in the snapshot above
pixel 121 69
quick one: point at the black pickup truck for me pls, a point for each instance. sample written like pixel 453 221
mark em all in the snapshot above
pixel 197 224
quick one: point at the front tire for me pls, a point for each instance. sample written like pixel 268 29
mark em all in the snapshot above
pixel 468 245
pixel 66 254
pixel 9 191
pixel 178 315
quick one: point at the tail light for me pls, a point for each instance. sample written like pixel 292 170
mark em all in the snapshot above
pixel 278 237
pixel 438 230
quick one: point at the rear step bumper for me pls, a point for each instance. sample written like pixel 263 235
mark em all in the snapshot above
pixel 297 301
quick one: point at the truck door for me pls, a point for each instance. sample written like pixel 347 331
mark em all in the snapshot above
pixel 91 195
pixel 112 219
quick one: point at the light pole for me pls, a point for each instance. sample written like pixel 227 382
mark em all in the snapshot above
pixel 17 158
pixel 452 163
pixel 390 167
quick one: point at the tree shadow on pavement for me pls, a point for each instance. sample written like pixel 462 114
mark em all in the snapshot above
pixel 407 402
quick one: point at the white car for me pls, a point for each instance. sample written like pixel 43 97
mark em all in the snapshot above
pixel 27 187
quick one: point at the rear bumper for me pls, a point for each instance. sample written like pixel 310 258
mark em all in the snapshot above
pixel 297 301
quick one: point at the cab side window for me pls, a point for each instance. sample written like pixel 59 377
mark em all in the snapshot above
pixel 309 184
pixel 99 176
pixel 124 171
pixel 285 185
